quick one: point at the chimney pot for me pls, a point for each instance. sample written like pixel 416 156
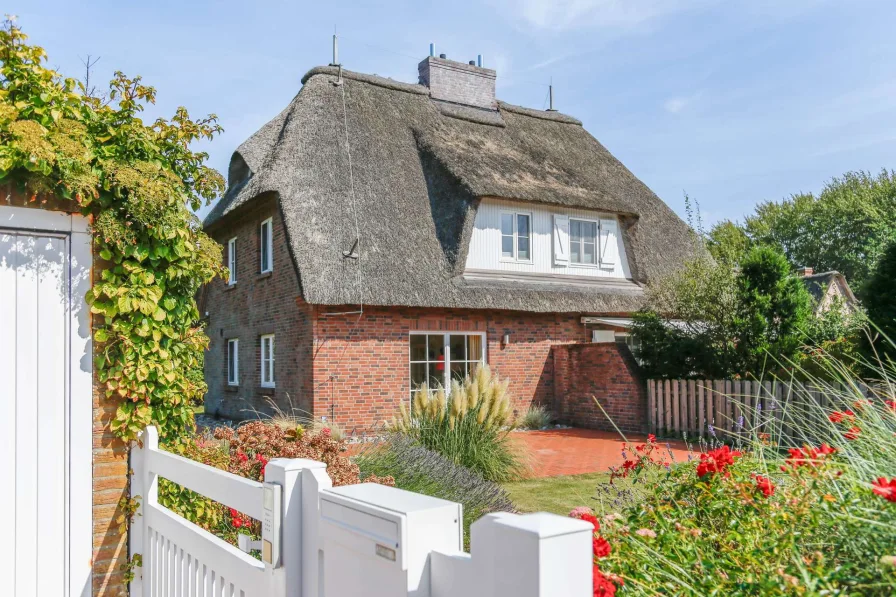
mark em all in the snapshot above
pixel 805 271
pixel 472 63
pixel 443 56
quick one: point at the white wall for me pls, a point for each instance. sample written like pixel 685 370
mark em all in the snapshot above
pixel 485 243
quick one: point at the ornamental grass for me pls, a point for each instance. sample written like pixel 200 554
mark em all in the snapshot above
pixel 469 425
pixel 806 508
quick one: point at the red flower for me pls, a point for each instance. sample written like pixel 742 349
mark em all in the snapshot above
pixel 235 518
pixel 592 519
pixel 837 416
pixel 891 404
pixel 860 404
pixel 242 457
pixel 325 432
pixel 651 438
pixel 807 456
pixel 852 434
pixel 764 485
pixel 601 547
pixel 603 587
pixel 885 488
pixel 716 461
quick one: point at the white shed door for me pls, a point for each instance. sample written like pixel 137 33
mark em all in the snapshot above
pixel 34 407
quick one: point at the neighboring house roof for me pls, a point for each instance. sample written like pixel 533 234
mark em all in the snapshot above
pixel 826 286
pixel 418 169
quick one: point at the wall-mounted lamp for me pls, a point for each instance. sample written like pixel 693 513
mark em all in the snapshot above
pixel 505 340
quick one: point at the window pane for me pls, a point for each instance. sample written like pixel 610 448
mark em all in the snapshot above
pixel 523 252
pixel 588 252
pixel 575 251
pixel 436 348
pixel 506 246
pixel 474 347
pixel 458 347
pixel 264 247
pixel 458 370
pixel 522 225
pixel 436 375
pixel 575 230
pixel 418 347
pixel 589 231
pixel 418 375
pixel 507 224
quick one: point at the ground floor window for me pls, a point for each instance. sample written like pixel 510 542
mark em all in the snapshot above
pixel 437 358
pixel 233 362
pixel 267 360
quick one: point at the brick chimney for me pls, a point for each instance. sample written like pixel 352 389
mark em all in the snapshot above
pixel 804 271
pixel 458 83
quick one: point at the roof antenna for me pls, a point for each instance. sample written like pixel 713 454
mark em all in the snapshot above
pixel 335 62
pixel 551 96
pixel 351 253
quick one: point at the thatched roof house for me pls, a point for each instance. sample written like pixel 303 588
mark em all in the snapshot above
pixel 385 190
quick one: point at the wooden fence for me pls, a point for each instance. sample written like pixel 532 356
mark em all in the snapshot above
pixel 724 408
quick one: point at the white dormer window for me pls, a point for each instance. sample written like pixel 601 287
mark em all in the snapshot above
pixel 583 241
pixel 516 236
pixel 266 236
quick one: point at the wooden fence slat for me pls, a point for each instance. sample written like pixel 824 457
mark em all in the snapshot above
pixel 746 401
pixel 676 413
pixel 692 406
pixel 651 405
pixel 701 408
pixel 667 410
pixel 729 422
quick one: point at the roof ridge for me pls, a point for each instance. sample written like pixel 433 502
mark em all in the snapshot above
pixel 543 114
pixel 365 78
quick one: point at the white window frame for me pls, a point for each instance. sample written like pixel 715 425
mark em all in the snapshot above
pixel 233 350
pixel 596 263
pixel 267 362
pixel 516 239
pixel 446 339
pixel 231 261
pixel 269 245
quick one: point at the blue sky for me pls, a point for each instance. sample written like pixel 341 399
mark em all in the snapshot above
pixel 732 102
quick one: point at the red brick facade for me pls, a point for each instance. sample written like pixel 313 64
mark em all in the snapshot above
pixel 605 371
pixel 354 368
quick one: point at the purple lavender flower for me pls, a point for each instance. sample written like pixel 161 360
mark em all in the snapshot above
pixel 740 421
pixel 712 431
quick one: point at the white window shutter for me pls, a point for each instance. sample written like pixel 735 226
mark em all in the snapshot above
pixel 609 250
pixel 561 240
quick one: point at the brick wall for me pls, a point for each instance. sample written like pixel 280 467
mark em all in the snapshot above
pixel 606 371
pixel 458 82
pixel 361 365
pixel 257 304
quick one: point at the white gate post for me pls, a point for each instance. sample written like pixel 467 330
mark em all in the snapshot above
pixel 289 579
pixel 145 489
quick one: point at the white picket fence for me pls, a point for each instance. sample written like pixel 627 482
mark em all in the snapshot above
pixel 321 541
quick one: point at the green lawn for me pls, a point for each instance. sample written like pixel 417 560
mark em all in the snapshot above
pixel 557 494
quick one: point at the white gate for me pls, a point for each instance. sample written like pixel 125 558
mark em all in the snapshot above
pixel 45 403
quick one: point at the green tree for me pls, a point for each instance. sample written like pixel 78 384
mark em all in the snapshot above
pixel 773 311
pixel 728 243
pixel 880 305
pixel 845 228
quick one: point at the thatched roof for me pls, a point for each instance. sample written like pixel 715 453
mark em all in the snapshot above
pixel 419 168
pixel 818 285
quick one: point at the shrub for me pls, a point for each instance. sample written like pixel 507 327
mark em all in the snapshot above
pixel 470 426
pixel 879 299
pixel 813 517
pixel 419 469
pixel 245 452
pixel 537 417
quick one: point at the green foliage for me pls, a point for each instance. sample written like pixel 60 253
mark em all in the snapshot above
pixel 470 426
pixel 822 527
pixel 726 321
pixel 536 417
pixel 879 300
pixel 138 181
pixel 196 508
pixel 773 309
pixel 845 228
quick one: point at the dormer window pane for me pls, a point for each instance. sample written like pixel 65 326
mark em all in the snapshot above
pixel 522 237
pixel 583 242
pixel 507 235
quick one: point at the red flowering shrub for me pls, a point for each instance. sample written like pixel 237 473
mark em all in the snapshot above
pixel 716 461
pixel 644 456
pixel 764 485
pixel 604 585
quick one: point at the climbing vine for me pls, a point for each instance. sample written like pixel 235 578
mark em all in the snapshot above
pixel 139 182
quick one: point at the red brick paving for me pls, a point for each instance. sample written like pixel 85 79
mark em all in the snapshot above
pixel 555 452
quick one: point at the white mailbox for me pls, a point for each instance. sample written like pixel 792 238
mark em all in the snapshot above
pixel 376 540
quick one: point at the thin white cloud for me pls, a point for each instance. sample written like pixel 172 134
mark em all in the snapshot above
pixel 559 15
pixel 675 105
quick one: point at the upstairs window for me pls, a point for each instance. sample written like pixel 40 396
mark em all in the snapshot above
pixel 231 260
pixel 583 244
pixel 516 236
pixel 233 362
pixel 267 360
pixel 267 246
